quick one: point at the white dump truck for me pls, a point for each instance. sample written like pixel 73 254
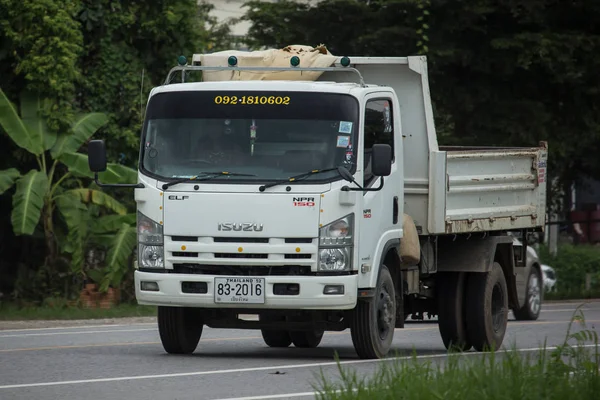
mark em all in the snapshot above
pixel 309 191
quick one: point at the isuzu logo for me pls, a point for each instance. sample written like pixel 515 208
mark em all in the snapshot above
pixel 244 226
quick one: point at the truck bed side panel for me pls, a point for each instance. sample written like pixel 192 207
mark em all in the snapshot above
pixel 491 190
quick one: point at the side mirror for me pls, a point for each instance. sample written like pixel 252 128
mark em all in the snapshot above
pixel 381 160
pixel 97 156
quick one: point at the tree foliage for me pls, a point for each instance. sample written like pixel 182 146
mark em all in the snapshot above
pixel 40 44
pixel 129 48
pixel 502 72
pixel 82 61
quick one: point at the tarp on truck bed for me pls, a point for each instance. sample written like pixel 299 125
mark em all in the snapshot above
pixel 309 57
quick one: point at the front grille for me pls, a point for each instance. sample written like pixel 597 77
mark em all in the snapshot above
pixel 241 255
pixel 238 270
pixel 297 256
pixel 184 238
pixel 185 254
pixel 240 240
pixel 298 240
pixel 236 251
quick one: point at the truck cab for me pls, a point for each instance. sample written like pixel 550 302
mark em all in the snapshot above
pixel 320 202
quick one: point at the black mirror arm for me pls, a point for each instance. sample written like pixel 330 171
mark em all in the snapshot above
pixel 362 189
pixel 117 185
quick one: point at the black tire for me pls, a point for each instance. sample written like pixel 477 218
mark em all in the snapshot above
pixel 452 309
pixel 275 338
pixel 179 328
pixel 533 298
pixel 306 339
pixel 373 322
pixel 487 308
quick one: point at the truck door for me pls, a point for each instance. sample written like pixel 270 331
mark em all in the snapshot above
pixel 382 210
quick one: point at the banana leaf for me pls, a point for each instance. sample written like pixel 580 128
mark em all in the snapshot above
pixel 41 138
pixel 115 173
pixel 82 129
pixel 8 178
pixel 119 253
pixel 14 126
pixel 28 201
pixel 99 198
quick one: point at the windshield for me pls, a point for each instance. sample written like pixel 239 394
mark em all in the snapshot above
pixel 268 135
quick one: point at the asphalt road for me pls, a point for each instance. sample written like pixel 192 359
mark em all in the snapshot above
pixel 127 360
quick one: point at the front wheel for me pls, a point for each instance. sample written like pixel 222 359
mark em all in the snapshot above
pixel 306 339
pixel 275 337
pixel 180 329
pixel 533 298
pixel 373 322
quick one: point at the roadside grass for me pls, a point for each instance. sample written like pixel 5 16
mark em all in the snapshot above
pixel 569 371
pixel 64 311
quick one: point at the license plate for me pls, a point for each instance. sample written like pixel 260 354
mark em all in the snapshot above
pixel 241 290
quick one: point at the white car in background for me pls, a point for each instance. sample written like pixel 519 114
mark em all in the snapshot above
pixel 530 285
pixel 549 276
pixel 548 273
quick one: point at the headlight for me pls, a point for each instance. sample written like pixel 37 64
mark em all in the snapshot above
pixel 338 233
pixel 335 259
pixel 150 243
pixel 335 245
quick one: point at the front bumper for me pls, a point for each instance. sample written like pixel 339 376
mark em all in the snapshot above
pixel 311 295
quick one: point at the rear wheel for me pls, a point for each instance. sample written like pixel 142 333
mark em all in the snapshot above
pixel 275 337
pixel 451 310
pixel 373 321
pixel 306 339
pixel 487 308
pixel 533 298
pixel 179 328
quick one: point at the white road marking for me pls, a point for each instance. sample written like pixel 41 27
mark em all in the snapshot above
pixel 282 396
pixel 75 333
pixel 275 396
pixel 75 327
pixel 256 369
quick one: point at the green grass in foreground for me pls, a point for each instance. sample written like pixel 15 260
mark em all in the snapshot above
pixel 569 372
pixel 11 312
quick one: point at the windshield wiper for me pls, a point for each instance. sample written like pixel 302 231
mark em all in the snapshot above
pixel 297 178
pixel 202 176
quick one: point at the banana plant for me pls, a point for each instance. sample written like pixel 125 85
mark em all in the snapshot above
pixel 88 229
pixel 38 190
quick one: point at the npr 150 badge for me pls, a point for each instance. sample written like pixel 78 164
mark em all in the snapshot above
pixel 304 202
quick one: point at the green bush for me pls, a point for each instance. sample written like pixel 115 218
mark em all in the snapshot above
pixel 569 371
pixel 572 263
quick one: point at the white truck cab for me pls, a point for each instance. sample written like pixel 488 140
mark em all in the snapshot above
pixel 316 201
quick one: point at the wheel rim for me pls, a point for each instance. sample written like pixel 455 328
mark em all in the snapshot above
pixel 534 294
pixel 384 313
pixel 497 307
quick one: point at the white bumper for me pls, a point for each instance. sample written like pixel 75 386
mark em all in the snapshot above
pixel 311 295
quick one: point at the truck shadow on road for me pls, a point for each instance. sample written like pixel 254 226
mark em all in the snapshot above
pixel 319 354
